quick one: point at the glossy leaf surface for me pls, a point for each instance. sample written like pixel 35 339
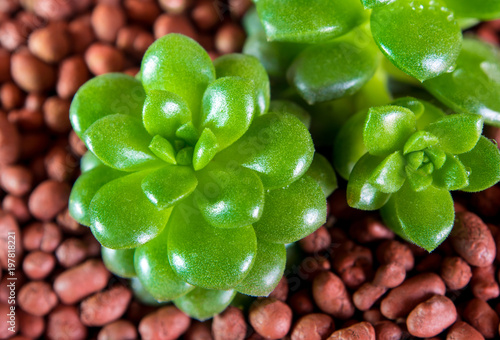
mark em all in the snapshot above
pixel 389 175
pixel 484 9
pixel 375 3
pixel 288 106
pixel 431 41
pixel 420 140
pixel 292 212
pixel 122 216
pixel 202 303
pixel 322 172
pixel 119 261
pixel 89 161
pixel 452 176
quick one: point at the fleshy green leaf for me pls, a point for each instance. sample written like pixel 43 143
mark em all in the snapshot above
pixel 228 108
pixel 89 161
pixel 229 196
pixel 452 176
pixel 457 133
pixel 484 9
pixel 424 218
pixel 431 114
pixel 267 270
pixel 205 149
pixel 142 295
pixel 203 304
pixel 431 41
pixel 84 189
pixel 122 216
pixel 277 146
pixel 292 212
pixel 483 163
pixel 119 261
pixel 387 128
pixel 475 83
pixel 248 67
pixel 288 106
pixel 420 140
pixel 163 113
pixel 168 185
pixel 154 270
pixel 361 194
pixel 369 4
pixel 436 156
pixel 178 64
pixel 309 21
pixel 185 156
pixel 121 142
pixel 195 248
pixel 187 133
pixel 335 69
pixel 415 159
pixel 322 172
pixel 413 104
pixel 389 175
pixel 163 149
pixel 419 179
pixel 104 95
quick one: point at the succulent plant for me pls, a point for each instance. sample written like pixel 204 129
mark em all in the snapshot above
pixel 191 183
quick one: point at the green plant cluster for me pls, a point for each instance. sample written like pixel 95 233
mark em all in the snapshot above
pixel 194 180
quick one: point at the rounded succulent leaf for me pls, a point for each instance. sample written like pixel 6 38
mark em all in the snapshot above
pixel 431 41
pixel 375 3
pixel 122 216
pixel 292 212
pixel 288 106
pixel 473 86
pixel 322 172
pixel 309 21
pixel 267 270
pixel 119 261
pixel 154 271
pixel 452 175
pixel 229 196
pixel 196 248
pixel 389 176
pixel 142 295
pixel 277 146
pixel 104 95
pixel 484 10
pixel 178 64
pixel 202 303
pixel 89 161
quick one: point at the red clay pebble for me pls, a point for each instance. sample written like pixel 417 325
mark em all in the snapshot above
pixel 71 252
pixel 11 96
pixel 455 272
pixel 31 326
pixel 229 325
pixel 76 144
pixel 48 199
pixel 463 331
pixel 11 34
pixel 81 33
pixel 118 330
pixel 56 114
pixel 482 317
pixel 42 236
pixel 10 145
pixel 331 296
pixel 26 119
pixel 281 290
pixel 102 58
pixel 168 23
pixel 167 323
pixel 107 21
pixel 366 296
pixel 472 240
pixel 205 15
pixel 315 326
pixel 73 73
pixel 16 180
pixel 483 283
pixel 389 275
pixel 301 302
pixel 431 317
pixel 30 73
pixel 402 299
pixel 64 323
pixel 8 320
pixel 373 316
pixel 358 331
pixel 17 207
pixel 198 331
pixel 369 229
pixel 9 227
pixel 105 307
pixel 78 282
pixel 312 266
pixel 270 318
pixel 353 263
pixel 388 330
pixel 316 242
pixel 4 65
pixel 37 298
pixel 51 43
pixel 142 11
pixel 395 251
pixel 37 265
pixel 229 38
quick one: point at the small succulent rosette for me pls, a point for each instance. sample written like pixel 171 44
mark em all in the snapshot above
pixel 405 158
pixel 190 183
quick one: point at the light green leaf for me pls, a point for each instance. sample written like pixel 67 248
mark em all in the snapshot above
pixel 413 104
pixel 196 248
pixel 228 108
pixel 361 194
pixel 322 172
pixel 292 212
pixel 309 21
pixel 229 196
pixel 104 95
pixel 185 156
pixel 168 185
pixel 424 218
pixel 267 270
pixel 119 261
pixel 452 176
pixel 387 128
pixel 484 9
pixel 369 4
pixel 431 114
pixel 121 142
pixel 436 156
pixel 247 67
pixel 389 175
pixel 457 133
pixel 188 133
pixel 288 106
pixel 122 216
pixel 415 159
pixel 203 304
pixel 431 41
pixel 419 179
pixel 483 163
pixel 277 146
pixel 205 149
pixel 178 64
pixel 420 140
pixel 163 149
pixel 89 161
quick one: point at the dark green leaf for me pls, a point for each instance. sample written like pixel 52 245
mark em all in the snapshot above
pixel 119 261
pixel 413 104
pixel 203 304
pixel 484 9
pixel 322 172
pixel 452 176
pixel 431 114
pixel 389 175
pixel 436 156
pixel 419 179
pixel 457 133
pixel 292 108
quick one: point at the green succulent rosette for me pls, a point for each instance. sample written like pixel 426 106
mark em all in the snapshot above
pixel 191 183
pixel 405 158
